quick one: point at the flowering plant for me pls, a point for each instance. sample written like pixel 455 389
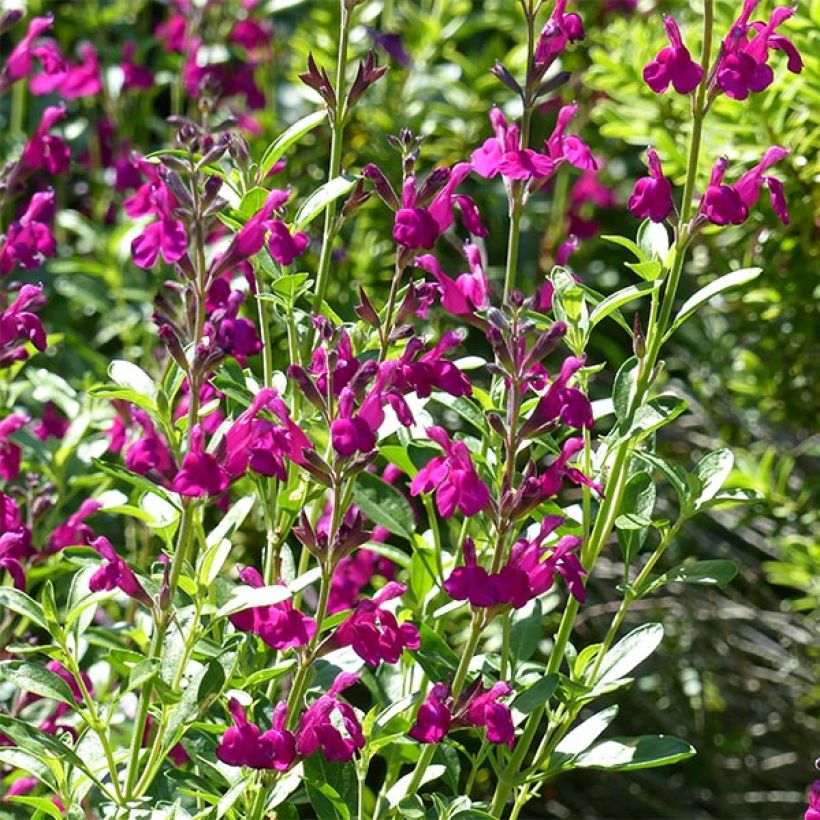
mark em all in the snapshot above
pixel 293 558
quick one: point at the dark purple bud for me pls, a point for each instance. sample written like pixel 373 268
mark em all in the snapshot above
pixel 638 340
pixel 358 196
pixel 366 311
pixel 435 181
pixel 500 347
pixel 213 185
pixel 216 152
pixel 383 188
pixel 545 344
pixel 504 75
pixel 306 385
pixel 553 83
pixel 364 375
pixel 497 423
pixel 367 74
pixel 177 187
pixel 169 338
pixel 317 467
pixel 174 163
pixel 10 18
pixel 496 318
pixel 240 150
pixel 401 332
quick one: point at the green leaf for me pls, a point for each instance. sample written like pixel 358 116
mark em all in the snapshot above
pixel 466 408
pixel 128 375
pixel 623 390
pixel 30 763
pixel 232 521
pixel 631 650
pixel 31 677
pixel 657 413
pixel 276 150
pixel 712 471
pixel 321 198
pixel 526 630
pixel 134 479
pixel 399 789
pixel 647 270
pixel 626 243
pixel 326 801
pixel 435 656
pixel 384 504
pixel 399 457
pixel 653 239
pixel 536 696
pixel 674 474
pixel 290 286
pixel 705 294
pixel 637 506
pixel 124 394
pixel 245 597
pixel 43 805
pixel 717 571
pixel 22 604
pixel 620 298
pixel 339 776
pixel 586 733
pixel 626 754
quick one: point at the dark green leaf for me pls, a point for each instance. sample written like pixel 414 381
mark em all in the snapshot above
pixel 526 631
pixel 384 504
pixel 22 604
pixel 321 198
pixel 31 677
pixel 712 471
pixel 536 696
pixel 637 506
pixel 623 390
pixel 434 656
pixel 631 650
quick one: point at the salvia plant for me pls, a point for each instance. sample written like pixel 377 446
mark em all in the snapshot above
pixel 407 515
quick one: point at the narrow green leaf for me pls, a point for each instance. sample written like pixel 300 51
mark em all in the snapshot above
pixel 586 733
pixel 384 504
pixel 717 571
pixel 723 283
pixel 626 243
pixel 17 601
pixel 399 789
pixel 232 521
pixel 712 471
pixel 276 150
pixel 536 696
pixel 657 413
pixel 321 198
pixel 653 239
pixel 623 390
pixel 627 754
pixel 31 677
pixel 245 597
pixel 619 299
pixel 128 375
pixel 631 650
pixel 435 656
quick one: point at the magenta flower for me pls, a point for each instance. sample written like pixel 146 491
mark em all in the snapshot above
pixel 570 147
pixel 28 241
pixel 283 246
pixel 561 403
pixel 244 744
pixel 10 453
pixel 19 325
pixel 201 473
pixel 651 197
pixel 15 541
pixel 331 725
pixel 52 424
pixel 743 66
pixel 149 454
pixel 166 235
pixel 352 574
pixel 813 811
pixel 560 30
pixel 417 226
pixel 374 633
pixel 502 154
pixel 279 625
pixel 452 477
pixel 749 185
pixel 471 582
pixel 347 365
pixel 434 717
pixel 20 61
pixel 115 573
pixel 721 204
pixel 484 709
pixel 44 150
pixel 419 374
pixel 673 64
pixel 133 75
pixel 74 531
pixel 475 707
pixel 80 80
pixel 466 294
pixel 539 488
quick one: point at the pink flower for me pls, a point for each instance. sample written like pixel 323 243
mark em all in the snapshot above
pixel 374 633
pixel 134 76
pixel 19 325
pixel 434 717
pixel 166 235
pixel 721 204
pixel 283 246
pixel 244 744
pixel 20 61
pixel 279 625
pixel 29 240
pixel 44 150
pixel 347 365
pixel 331 725
pixel 673 64
pixel 471 582
pixel 452 477
pixel 115 573
pixel 172 33
pixel 201 473
pixel 251 236
pixel 652 196
pixel 813 811
pixel 569 147
pixel 149 454
pixel 353 573
pixel 81 80
pixel 15 541
pixel 10 453
pixel 466 294
pixel 743 66
pixel 74 531
pixel 484 709
pixel 560 30
pixel 52 423
pixel 503 154
pixel 749 185
pixel 421 373
pixel 561 403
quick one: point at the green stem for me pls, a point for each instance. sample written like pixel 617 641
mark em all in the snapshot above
pixel 335 166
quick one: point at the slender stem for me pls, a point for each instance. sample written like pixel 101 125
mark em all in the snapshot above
pixel 335 166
